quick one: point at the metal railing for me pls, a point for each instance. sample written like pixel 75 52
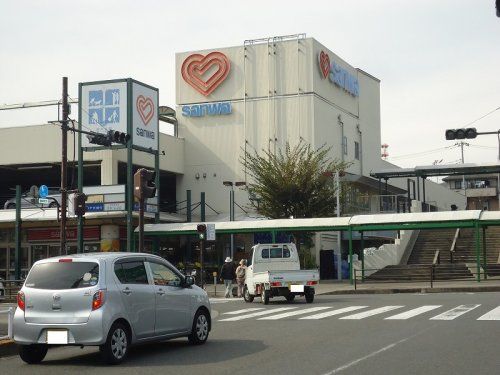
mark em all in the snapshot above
pixel 10 319
pixel 11 288
pixel 454 244
pixel 427 274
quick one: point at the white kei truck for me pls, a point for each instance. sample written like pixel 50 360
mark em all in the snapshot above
pixel 274 270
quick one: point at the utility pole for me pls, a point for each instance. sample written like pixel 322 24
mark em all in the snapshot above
pixel 64 161
pixel 462 144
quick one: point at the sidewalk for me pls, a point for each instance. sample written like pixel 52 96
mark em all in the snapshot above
pixel 344 287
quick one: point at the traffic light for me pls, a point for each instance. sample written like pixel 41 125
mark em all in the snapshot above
pixel 118 137
pixel 99 139
pixel 202 231
pixel 144 184
pixel 468 133
pixel 79 200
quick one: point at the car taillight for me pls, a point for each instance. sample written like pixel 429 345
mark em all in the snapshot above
pixel 21 300
pixel 98 299
pixel 65 260
pixel 312 282
pixel 276 283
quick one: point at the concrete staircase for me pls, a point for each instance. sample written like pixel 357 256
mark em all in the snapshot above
pixel 418 272
pixel 428 242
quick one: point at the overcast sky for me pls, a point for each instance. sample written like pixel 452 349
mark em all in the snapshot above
pixel 438 61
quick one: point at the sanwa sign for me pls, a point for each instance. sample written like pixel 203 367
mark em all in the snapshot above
pixel 210 109
pixel 337 75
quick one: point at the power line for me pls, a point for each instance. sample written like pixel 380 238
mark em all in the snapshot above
pixel 480 118
pixel 423 153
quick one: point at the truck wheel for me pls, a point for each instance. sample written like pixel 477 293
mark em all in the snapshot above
pixel 264 296
pixel 309 297
pixel 290 297
pixel 32 354
pixel 246 295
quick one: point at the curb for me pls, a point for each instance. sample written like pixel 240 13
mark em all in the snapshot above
pixel 416 290
pixel 7 348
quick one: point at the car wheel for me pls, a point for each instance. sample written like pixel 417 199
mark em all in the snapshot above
pixel 264 297
pixel 10 206
pixel 115 349
pixel 290 297
pixel 246 295
pixel 200 329
pixel 33 353
pixel 309 297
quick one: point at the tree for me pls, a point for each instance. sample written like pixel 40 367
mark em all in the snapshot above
pixel 295 182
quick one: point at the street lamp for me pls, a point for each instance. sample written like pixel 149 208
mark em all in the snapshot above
pixel 231 206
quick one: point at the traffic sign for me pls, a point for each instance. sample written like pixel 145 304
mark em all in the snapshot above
pixel 43 200
pixel 210 232
pixel 43 191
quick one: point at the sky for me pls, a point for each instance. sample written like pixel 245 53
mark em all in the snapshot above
pixel 438 60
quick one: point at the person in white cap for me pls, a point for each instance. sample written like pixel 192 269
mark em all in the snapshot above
pixel 227 275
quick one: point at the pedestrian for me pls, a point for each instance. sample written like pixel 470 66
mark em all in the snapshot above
pixel 241 273
pixel 227 275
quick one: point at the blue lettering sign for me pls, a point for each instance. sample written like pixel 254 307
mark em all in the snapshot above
pixel 210 109
pixel 342 78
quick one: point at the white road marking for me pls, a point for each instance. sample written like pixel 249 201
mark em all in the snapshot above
pixel 243 311
pixel 258 313
pixel 368 313
pixel 491 315
pixel 455 312
pixel 373 354
pixel 333 312
pixel 414 312
pixel 293 313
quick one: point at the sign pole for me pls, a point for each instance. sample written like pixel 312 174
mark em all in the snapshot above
pixel 64 160
pixel 17 255
pixel 79 248
pixel 130 170
pixel 141 224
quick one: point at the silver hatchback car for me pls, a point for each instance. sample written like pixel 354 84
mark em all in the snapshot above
pixel 110 300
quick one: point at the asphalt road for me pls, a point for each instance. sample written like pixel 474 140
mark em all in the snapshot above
pixel 426 334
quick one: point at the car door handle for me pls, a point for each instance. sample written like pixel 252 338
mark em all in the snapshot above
pixel 127 291
pixel 160 292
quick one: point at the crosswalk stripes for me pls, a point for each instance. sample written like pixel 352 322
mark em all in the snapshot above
pixel 491 315
pixel 455 312
pixel 366 314
pixel 321 312
pixel 243 311
pixel 333 312
pixel 413 312
pixel 294 313
pixel 255 314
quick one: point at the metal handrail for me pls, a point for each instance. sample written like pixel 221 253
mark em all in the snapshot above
pixel 437 258
pixel 453 244
pixel 9 311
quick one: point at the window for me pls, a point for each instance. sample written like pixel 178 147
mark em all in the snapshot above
pixel 344 145
pixel 458 184
pixel 356 150
pixel 70 275
pixel 162 275
pixel 276 252
pixel 132 272
pixel 265 253
pixel 286 252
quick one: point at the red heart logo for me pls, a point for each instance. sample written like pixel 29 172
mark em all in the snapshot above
pixel 196 65
pixel 146 108
pixel 324 63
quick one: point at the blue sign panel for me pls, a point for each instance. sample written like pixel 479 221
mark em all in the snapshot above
pixel 104 107
pixel 43 191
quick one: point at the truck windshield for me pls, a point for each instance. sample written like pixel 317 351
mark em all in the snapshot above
pixel 63 275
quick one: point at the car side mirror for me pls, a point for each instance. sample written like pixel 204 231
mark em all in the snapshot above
pixel 188 281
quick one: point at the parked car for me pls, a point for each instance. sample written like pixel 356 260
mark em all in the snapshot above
pixel 110 300
pixel 275 271
pixel 29 199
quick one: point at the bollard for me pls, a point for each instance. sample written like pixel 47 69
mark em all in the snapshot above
pixel 10 323
pixel 215 283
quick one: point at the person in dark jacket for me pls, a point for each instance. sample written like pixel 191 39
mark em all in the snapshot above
pixel 227 275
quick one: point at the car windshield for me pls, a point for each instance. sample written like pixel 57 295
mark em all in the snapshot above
pixel 63 275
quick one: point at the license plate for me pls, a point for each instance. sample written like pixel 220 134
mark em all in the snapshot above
pixel 297 288
pixel 57 337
